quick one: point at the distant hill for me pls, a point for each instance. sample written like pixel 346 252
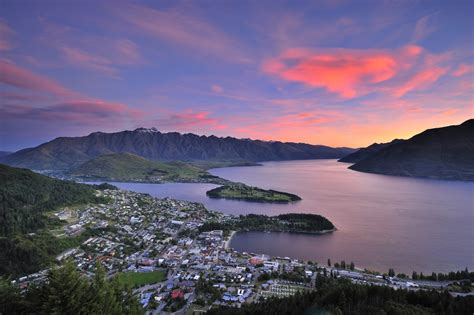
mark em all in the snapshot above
pixel 4 153
pixel 131 167
pixel 70 152
pixel 363 153
pixel 443 153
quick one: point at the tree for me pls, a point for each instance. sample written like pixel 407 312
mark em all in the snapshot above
pixel 10 299
pixel 68 292
pixel 391 272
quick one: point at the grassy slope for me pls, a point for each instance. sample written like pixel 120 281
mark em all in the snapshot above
pixel 130 167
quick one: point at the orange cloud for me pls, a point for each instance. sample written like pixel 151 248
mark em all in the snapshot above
pixel 341 71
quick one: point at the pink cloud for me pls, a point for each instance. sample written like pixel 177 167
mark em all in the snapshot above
pixel 341 71
pixel 182 29
pixel 15 76
pixel 80 49
pixel 462 69
pixel 127 52
pixel 190 119
pixel 424 27
pixel 5 34
pixel 86 60
pixel 353 73
pixel 420 80
pixel 82 112
pixel 216 88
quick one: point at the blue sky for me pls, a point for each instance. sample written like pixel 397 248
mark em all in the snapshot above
pixel 341 73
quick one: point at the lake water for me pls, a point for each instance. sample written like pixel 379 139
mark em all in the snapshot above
pixel 383 221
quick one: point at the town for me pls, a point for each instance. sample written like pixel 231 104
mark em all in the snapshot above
pixel 175 265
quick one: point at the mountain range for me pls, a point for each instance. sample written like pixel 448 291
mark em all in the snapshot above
pixel 66 153
pixel 442 153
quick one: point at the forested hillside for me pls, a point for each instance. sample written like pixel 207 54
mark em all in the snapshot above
pixel 69 292
pixel 25 197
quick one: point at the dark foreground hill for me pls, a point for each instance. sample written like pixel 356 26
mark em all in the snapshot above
pixel 442 153
pixel 363 153
pixel 69 152
pixel 26 198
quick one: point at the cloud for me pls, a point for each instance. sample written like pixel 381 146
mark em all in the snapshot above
pixel 462 70
pixel 82 112
pixel 420 80
pixel 216 88
pixel 346 72
pixel 127 52
pixel 80 49
pixel 182 29
pixel 86 60
pixel 5 34
pixel 15 76
pixel 189 119
pixel 353 73
pixel 424 27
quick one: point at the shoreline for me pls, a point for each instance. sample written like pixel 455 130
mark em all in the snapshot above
pixel 227 243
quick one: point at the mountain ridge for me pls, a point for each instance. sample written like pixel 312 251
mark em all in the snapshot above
pixel 363 153
pixel 440 153
pixel 64 153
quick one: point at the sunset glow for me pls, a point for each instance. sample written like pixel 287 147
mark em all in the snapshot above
pixel 339 73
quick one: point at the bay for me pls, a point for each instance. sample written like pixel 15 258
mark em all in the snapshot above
pixel 383 221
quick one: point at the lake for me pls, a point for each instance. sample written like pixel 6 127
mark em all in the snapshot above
pixel 383 221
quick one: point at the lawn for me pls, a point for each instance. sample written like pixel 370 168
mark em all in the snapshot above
pixel 136 279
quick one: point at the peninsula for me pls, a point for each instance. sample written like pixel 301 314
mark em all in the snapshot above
pixel 290 222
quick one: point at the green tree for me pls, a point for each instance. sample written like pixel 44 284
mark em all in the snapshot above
pixel 68 292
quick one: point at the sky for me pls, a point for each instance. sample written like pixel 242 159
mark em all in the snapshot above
pixel 338 73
